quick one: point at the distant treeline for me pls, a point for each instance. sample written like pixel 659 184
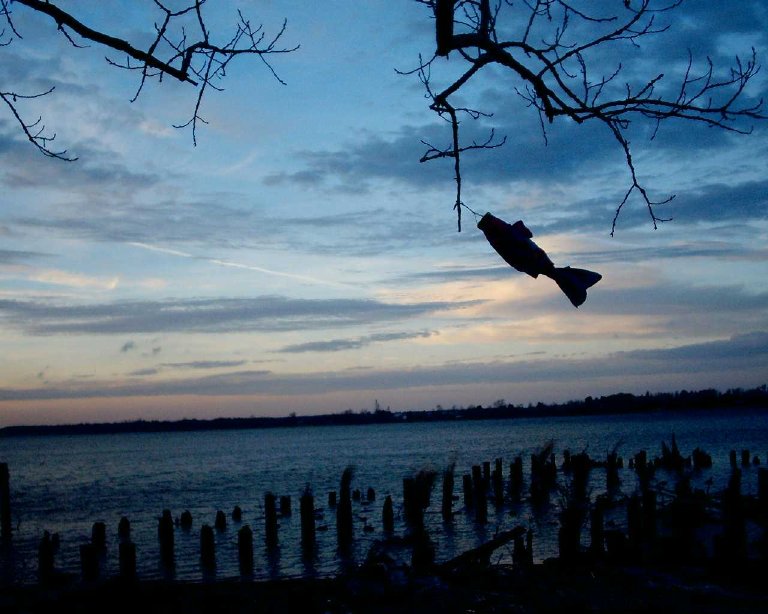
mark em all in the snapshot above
pixel 622 403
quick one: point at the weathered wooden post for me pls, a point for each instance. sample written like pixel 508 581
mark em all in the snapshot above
pixel 89 562
pixel 487 474
pixel 516 479
pixel 370 495
pixel 412 505
pixel 124 530
pixel 127 560
pixel 497 477
pixel 221 521
pixel 207 548
pixel 270 520
pixel 5 502
pixel 45 554
pixel 732 459
pixel 447 499
pixel 344 510
pixel 478 484
pixel 388 516
pixel 466 483
pixel 762 490
pixel 745 458
pixel 597 528
pixel 165 536
pixel 612 472
pixel 237 514
pixel 245 550
pixel 307 511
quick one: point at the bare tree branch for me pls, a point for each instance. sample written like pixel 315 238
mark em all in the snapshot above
pixel 557 80
pixel 199 61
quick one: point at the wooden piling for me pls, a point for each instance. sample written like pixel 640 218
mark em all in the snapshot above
pixel 388 516
pixel 516 479
pixel 127 560
pixel 479 498
pixel 221 521
pixel 762 490
pixel 89 562
pixel 45 559
pixel 207 548
pixel 597 528
pixel 237 514
pixel 270 520
pixel 344 510
pixel 414 513
pixel 745 458
pixel 370 495
pixel 307 511
pixel 245 550
pixel 124 530
pixel 497 479
pixel 466 483
pixel 5 502
pixel 447 499
pixel 165 536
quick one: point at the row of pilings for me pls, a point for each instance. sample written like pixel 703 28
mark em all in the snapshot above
pixel 656 521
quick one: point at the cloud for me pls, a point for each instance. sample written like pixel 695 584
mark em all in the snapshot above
pixel 745 354
pixel 337 345
pixel 205 364
pixel 264 313
pixel 12 256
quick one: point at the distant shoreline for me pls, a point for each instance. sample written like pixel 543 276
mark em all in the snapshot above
pixel 622 403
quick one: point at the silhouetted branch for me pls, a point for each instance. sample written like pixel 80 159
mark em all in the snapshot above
pixel 557 77
pixel 199 61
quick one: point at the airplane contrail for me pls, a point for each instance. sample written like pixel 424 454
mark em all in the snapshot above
pixel 237 265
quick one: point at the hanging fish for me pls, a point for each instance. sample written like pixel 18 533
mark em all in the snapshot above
pixel 513 243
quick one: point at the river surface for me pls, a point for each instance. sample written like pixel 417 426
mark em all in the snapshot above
pixel 64 484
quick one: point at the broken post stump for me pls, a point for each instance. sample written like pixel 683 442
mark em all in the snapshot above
pixel 447 500
pixel 388 516
pixel 480 502
pixel 99 536
pixel 165 537
pixel 466 483
pixel 245 550
pixel 45 558
pixel 307 512
pixel 127 560
pixel 270 520
pixel 221 521
pixel 89 562
pixel 207 548
pixel 5 502
pixel 124 530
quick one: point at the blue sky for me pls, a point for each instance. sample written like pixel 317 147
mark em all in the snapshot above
pixel 301 259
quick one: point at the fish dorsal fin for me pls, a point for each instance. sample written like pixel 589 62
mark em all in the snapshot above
pixel 520 227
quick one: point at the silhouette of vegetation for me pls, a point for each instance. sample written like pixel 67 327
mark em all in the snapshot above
pixel 622 403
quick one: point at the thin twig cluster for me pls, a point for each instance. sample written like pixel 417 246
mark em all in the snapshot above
pixel 553 51
pixel 183 48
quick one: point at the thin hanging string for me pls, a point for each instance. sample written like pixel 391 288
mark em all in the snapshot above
pixel 472 211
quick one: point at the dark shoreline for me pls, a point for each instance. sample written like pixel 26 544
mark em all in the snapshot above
pixel 547 587
pixel 615 404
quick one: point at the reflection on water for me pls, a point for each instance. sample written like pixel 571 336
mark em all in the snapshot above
pixel 64 484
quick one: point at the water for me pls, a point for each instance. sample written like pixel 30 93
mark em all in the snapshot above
pixel 66 483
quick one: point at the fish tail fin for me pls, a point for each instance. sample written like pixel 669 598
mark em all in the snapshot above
pixel 574 282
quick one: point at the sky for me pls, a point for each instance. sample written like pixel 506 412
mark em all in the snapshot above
pixel 299 258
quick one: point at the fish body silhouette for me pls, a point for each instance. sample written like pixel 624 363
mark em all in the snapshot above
pixel 513 243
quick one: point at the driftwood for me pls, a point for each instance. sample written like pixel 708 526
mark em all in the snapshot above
pixel 481 556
